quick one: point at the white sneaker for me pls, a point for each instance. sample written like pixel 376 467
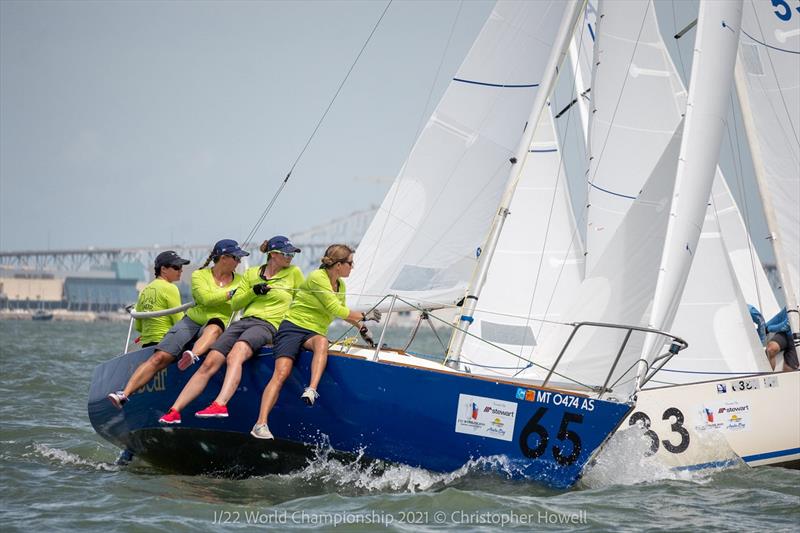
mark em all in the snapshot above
pixel 261 431
pixel 187 359
pixel 118 399
pixel 309 396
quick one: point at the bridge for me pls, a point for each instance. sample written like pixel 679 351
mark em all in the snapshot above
pixel 347 230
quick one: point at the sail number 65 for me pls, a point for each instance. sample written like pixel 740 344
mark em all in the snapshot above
pixel 564 434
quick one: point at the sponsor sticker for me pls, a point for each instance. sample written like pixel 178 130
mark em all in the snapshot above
pixel 770 381
pixel 724 416
pixel 721 388
pixel 486 417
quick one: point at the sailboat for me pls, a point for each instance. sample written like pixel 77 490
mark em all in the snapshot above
pixel 715 402
pixel 386 404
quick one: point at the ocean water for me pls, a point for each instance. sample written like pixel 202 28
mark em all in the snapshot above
pixel 57 474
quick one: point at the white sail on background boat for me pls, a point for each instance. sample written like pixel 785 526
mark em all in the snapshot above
pixel 768 85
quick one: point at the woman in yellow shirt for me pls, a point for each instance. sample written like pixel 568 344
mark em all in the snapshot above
pixel 320 299
pixel 264 294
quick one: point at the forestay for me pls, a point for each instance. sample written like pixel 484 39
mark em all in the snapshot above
pixel 424 240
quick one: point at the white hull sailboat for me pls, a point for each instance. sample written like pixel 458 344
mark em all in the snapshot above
pixel 718 399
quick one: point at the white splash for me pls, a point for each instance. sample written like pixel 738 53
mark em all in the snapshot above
pixel 624 461
pixel 68 458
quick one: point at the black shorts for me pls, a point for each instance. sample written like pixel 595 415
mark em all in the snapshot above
pixel 787 346
pixel 290 340
pixel 254 331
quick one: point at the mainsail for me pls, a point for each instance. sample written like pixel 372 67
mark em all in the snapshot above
pixel 425 238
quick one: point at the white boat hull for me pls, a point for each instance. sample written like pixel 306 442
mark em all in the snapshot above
pixel 709 424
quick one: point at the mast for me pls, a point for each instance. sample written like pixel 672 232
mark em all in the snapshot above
pixel 557 55
pixel 766 202
pixel 706 111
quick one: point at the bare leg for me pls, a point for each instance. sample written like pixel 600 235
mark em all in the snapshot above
pixel 142 375
pixel 210 334
pixel 199 380
pixel 240 353
pixel 319 345
pixel 283 367
pixel 772 353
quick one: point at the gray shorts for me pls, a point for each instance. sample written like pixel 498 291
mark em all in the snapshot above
pixel 786 344
pixel 181 334
pixel 254 331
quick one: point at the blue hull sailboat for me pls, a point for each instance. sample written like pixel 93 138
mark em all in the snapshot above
pixel 396 412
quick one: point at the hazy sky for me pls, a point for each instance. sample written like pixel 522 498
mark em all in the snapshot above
pixel 140 123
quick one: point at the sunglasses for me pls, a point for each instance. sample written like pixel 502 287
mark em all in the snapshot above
pixel 285 254
pixel 176 267
pixel 347 263
pixel 235 258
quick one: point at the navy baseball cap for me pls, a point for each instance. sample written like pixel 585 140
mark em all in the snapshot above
pixel 279 243
pixel 170 258
pixel 228 247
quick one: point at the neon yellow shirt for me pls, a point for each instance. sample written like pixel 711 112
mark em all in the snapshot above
pixel 273 305
pixel 316 305
pixel 211 300
pixel 158 295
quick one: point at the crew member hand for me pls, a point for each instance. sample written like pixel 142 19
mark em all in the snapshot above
pixel 261 289
pixel 364 332
pixel 372 314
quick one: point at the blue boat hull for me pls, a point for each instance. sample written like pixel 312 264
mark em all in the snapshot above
pixel 404 414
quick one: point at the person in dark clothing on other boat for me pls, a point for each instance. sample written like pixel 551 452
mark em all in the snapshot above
pixel 212 290
pixel 780 338
pixel 159 295
pixel 264 294
pixel 320 299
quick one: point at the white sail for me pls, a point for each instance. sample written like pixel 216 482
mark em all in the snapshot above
pixel 769 91
pixel 713 317
pixel 537 264
pixel 426 235
pixel 637 100
pixel 619 289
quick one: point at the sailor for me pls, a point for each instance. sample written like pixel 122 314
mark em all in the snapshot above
pixel 321 298
pixel 780 338
pixel 264 294
pixel 212 290
pixel 158 295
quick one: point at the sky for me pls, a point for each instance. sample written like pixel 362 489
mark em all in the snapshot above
pixel 141 123
pixel 128 124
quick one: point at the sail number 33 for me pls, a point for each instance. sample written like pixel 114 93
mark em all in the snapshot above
pixel 676 427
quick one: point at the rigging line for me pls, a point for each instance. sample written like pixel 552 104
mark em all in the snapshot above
pixel 621 92
pixel 739 171
pixel 777 83
pixel 316 128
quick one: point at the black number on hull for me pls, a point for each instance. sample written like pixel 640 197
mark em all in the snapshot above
pixel 678 428
pixel 533 427
pixel 564 433
pixel 636 417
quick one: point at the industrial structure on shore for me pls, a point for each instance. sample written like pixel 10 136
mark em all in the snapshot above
pixel 108 279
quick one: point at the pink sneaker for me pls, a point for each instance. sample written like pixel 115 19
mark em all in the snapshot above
pixel 214 410
pixel 172 417
pixel 187 359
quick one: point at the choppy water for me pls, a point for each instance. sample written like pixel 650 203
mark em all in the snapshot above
pixel 55 473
